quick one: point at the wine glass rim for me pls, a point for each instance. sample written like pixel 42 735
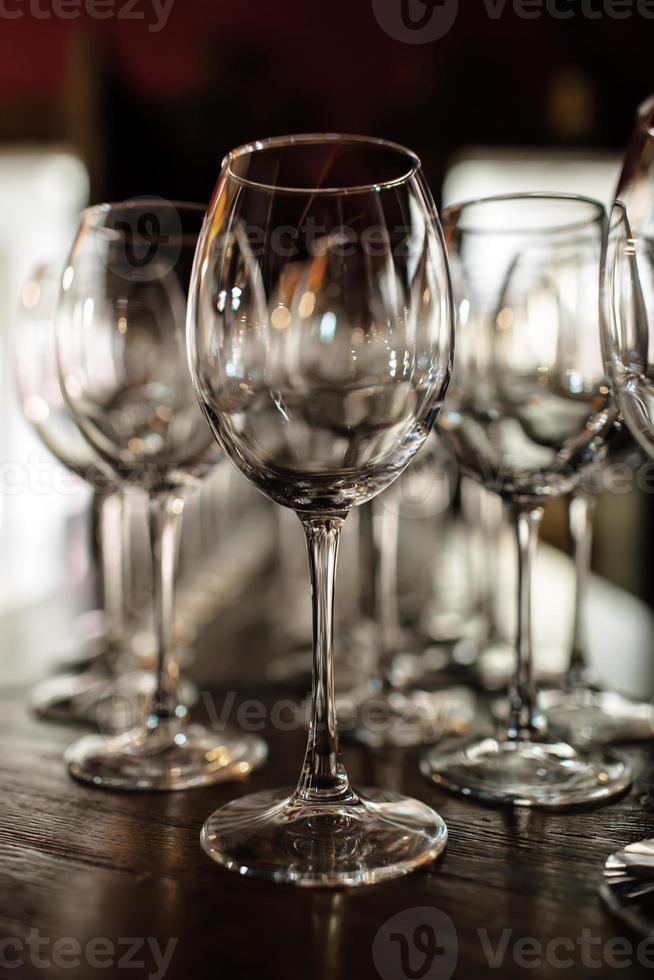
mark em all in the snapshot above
pixel 460 206
pixel 308 139
pixel 618 205
pixel 90 215
pixel 619 215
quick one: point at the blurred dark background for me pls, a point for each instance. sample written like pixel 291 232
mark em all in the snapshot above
pixel 152 106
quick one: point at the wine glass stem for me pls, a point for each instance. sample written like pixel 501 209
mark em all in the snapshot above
pixel 167 707
pixel 524 717
pixel 323 777
pixel 112 516
pixel 581 508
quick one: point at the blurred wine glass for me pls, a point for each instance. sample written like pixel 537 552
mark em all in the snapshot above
pixel 627 315
pixel 320 340
pixel 400 704
pixel 72 696
pixel 122 360
pixel 528 411
pixel 579 708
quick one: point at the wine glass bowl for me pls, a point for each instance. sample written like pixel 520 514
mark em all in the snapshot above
pixel 130 389
pixel 37 378
pixel 320 341
pixel 529 406
pixel 628 307
pixel 305 363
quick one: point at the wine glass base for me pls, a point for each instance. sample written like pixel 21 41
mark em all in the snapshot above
pixel 597 717
pixel 370 838
pixel 69 698
pixel 628 887
pixel 148 761
pixel 552 775
pixel 404 719
pixel 95 697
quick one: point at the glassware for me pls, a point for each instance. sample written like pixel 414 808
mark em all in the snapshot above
pixel 289 611
pixel 457 614
pixel 320 340
pixel 627 311
pixel 528 411
pixel 484 516
pixel 122 360
pixel 70 697
pixel 394 707
pixel 578 708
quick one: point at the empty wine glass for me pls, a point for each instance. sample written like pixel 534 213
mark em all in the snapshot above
pixel 588 713
pixel 528 411
pixel 122 360
pixel 627 312
pixel 69 697
pixel 320 340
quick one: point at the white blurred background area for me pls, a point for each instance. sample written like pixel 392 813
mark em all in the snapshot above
pixel 41 194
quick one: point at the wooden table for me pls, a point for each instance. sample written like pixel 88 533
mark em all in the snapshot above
pixel 81 866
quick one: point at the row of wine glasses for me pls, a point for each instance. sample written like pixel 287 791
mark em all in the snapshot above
pixel 315 307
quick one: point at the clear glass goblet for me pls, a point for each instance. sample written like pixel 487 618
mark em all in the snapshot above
pixel 627 314
pixel 70 697
pixel 528 411
pixel 320 340
pixel 122 361
pixel 580 708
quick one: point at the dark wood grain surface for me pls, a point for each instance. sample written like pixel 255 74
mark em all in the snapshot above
pixel 82 865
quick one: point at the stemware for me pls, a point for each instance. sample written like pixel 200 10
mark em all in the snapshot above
pixel 529 410
pixel 627 310
pixel 394 705
pixel 586 712
pixel 122 361
pixel 320 340
pixel 579 708
pixel 70 697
